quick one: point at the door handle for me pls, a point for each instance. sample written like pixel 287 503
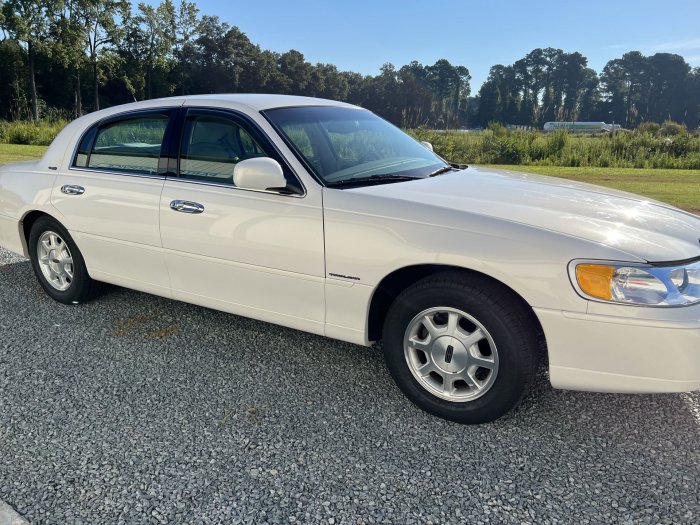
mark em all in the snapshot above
pixel 71 189
pixel 186 206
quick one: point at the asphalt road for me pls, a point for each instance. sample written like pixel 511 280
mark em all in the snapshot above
pixel 135 409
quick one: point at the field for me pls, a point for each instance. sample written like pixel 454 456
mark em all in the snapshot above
pixel 670 146
pixel 675 186
pixel 680 188
pixel 18 153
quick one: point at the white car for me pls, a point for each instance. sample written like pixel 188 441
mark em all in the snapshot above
pixel 321 216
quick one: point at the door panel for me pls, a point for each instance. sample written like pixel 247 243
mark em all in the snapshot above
pixel 110 197
pixel 254 253
pixel 116 219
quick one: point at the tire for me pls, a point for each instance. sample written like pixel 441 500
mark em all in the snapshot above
pixel 420 326
pixel 75 286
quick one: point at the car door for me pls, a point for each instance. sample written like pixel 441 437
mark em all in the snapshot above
pixel 254 253
pixel 109 198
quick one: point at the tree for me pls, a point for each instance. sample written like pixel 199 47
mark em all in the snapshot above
pixel 27 22
pixel 623 82
pixel 186 28
pixel 101 29
pixel 69 35
pixel 148 45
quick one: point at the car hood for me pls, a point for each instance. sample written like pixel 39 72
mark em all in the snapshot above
pixel 647 229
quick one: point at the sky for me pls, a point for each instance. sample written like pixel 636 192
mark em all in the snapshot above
pixel 361 35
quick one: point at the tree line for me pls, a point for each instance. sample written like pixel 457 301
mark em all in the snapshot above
pixel 61 58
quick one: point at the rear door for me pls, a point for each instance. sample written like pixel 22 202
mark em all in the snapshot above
pixel 109 196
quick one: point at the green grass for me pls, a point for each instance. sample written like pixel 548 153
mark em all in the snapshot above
pixel 677 187
pixel 34 133
pixel 629 149
pixel 18 153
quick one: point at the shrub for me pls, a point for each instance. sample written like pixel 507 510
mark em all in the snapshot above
pixel 671 129
pixel 640 148
pixel 652 128
pixel 30 133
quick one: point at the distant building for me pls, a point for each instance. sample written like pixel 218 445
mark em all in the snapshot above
pixel 581 127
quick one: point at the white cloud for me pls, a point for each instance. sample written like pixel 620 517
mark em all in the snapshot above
pixel 690 44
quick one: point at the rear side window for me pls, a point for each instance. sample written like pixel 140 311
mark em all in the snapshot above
pixel 132 145
pixel 212 146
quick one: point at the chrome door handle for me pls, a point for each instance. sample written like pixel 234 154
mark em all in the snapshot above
pixel 186 206
pixel 70 189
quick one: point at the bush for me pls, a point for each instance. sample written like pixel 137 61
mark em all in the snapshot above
pixel 671 129
pixel 652 128
pixel 30 133
pixel 641 148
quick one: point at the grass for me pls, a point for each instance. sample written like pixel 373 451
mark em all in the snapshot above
pixel 675 186
pixel 17 153
pixel 628 149
pixel 33 133
pixel 679 188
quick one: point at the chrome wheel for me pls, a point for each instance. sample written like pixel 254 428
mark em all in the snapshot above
pixel 451 354
pixel 55 260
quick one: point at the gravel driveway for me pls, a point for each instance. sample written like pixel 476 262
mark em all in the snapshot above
pixel 136 409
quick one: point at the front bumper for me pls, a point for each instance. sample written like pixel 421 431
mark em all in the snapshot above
pixel 624 349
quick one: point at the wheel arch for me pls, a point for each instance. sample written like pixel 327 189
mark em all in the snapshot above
pixel 25 226
pixel 397 281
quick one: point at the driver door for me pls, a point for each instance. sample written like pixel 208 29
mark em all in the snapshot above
pixel 255 253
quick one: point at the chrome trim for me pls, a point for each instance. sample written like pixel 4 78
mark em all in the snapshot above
pixel 117 172
pixel 72 189
pixel 184 206
pixel 232 187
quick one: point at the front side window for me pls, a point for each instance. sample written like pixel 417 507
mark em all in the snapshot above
pixel 132 145
pixel 347 146
pixel 212 146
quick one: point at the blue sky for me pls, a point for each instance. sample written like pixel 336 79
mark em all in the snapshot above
pixel 360 35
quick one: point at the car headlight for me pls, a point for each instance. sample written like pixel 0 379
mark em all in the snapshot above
pixel 638 284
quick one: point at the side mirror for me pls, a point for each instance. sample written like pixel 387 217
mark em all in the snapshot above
pixel 427 145
pixel 259 173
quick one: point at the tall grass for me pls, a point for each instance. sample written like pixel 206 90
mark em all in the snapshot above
pixel 624 149
pixel 32 133
pixel 651 146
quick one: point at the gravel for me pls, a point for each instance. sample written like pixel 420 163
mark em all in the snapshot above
pixel 136 409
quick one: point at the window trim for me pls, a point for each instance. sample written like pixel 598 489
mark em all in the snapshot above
pixel 248 125
pixel 167 111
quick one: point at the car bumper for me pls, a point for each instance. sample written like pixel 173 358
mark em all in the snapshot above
pixel 609 352
pixel 9 235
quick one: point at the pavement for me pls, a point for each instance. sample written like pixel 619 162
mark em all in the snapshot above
pixel 137 409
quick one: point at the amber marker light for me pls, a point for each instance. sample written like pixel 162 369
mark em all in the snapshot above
pixel 595 280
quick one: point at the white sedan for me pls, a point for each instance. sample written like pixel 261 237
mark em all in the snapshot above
pixel 321 216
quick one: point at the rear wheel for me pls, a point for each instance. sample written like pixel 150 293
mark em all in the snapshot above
pixel 461 347
pixel 58 264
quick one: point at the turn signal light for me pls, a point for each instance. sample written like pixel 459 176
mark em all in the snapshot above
pixel 595 280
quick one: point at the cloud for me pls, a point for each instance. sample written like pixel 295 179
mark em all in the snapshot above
pixel 690 44
pixel 688 48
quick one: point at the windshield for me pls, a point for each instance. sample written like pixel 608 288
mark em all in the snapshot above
pixel 343 145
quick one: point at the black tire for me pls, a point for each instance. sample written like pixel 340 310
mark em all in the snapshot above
pixel 82 286
pixel 499 311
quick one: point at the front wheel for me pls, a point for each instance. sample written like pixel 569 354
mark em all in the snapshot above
pixel 58 264
pixel 461 347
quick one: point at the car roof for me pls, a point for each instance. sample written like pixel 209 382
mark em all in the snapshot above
pixel 261 101
pixel 250 102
